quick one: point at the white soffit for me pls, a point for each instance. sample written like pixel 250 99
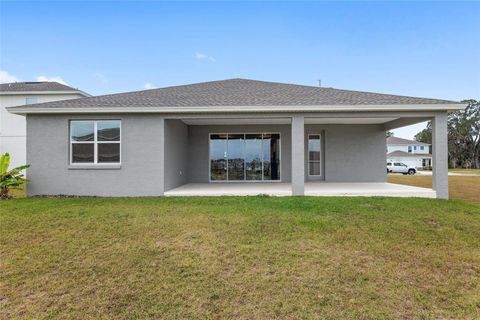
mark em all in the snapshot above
pixel 246 121
pixel 203 122
pixel 347 120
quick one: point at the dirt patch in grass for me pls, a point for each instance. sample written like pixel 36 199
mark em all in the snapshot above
pixel 460 187
pixel 242 258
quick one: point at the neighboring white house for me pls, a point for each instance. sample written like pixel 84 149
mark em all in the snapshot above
pixel 12 126
pixel 412 153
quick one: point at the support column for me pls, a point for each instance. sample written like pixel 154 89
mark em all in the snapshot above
pixel 298 155
pixel 440 155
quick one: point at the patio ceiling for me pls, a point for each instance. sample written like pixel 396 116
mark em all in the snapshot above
pixel 308 120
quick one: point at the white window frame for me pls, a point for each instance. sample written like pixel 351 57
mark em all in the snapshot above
pixel 244 167
pixel 308 155
pixel 95 143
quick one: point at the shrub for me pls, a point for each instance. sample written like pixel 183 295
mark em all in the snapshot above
pixel 10 179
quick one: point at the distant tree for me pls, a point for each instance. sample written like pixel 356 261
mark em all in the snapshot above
pixel 390 134
pixel 463 136
pixel 425 135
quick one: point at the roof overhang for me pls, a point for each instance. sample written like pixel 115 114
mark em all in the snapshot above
pixel 22 110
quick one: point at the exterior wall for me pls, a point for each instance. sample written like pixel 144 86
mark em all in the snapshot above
pixel 160 154
pixel 176 153
pixel 198 148
pixel 13 127
pixel 354 153
pixel 140 174
pixel 16 146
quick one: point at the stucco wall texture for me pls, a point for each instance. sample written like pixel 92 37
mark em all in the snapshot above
pixel 158 155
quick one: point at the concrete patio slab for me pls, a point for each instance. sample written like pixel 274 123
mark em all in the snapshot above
pixel 232 189
pixel 367 190
pixel 311 189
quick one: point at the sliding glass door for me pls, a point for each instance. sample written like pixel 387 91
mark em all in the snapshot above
pixel 253 157
pixel 236 157
pixel 271 157
pixel 218 157
pixel 245 157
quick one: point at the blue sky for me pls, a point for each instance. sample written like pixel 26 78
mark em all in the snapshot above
pixel 427 49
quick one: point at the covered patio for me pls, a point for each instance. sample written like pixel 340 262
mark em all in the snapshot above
pixel 354 189
pixel 322 154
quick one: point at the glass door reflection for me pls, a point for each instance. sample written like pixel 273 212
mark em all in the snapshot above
pixel 253 157
pixel 245 157
pixel 218 157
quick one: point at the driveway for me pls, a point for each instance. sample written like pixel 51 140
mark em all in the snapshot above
pixel 429 173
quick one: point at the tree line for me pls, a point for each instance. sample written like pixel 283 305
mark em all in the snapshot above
pixel 463 136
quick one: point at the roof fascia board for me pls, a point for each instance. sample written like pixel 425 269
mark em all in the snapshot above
pixel 19 93
pixel 237 109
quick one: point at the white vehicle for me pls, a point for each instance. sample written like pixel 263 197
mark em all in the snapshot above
pixel 398 167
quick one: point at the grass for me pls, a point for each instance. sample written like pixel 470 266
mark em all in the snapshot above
pixel 460 187
pixel 18 193
pixel 467 171
pixel 240 258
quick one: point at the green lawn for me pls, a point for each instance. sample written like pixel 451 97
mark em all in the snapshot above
pixel 459 187
pixel 239 258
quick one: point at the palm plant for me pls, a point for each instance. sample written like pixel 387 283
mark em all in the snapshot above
pixel 9 179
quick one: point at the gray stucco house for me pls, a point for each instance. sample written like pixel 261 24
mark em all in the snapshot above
pixel 253 135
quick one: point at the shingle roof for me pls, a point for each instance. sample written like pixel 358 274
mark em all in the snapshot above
pixel 34 86
pixel 401 141
pixel 238 92
pixel 407 154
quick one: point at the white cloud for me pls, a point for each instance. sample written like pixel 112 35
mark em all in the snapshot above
pixel 203 56
pixel 6 77
pixel 100 77
pixel 148 85
pixel 55 79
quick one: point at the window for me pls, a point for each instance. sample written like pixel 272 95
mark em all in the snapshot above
pixel 314 155
pixel 414 147
pixel 245 157
pixel 409 148
pixel 95 142
pixel 31 100
pixel 422 148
